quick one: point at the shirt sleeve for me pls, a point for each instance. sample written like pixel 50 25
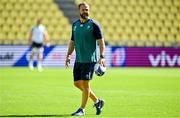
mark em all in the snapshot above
pixel 45 29
pixel 97 31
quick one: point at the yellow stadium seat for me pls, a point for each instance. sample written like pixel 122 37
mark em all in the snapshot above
pixel 12 1
pixel 10 21
pixel 156 9
pixel 170 37
pixel 11 36
pixel 168 23
pixel 149 43
pixel 130 43
pixel 158 44
pixel 139 9
pixel 174 30
pixel 128 30
pixel 165 9
pixel 135 16
pixel 170 16
pixel 132 23
pixel 21 1
pixel 140 43
pixel 161 37
pixel 142 2
pixel 177 38
pixel 165 30
pixel 9 6
pixel 150 2
pixel 2 36
pixel 138 21
pixel 137 30
pixel 168 2
pixel 143 36
pixel 115 2
pixel 159 23
pixel 153 16
pixel 2 21
pixel 20 36
pixel 134 36
pixel 174 9
pixel 120 30
pixel 159 2
pixel 55 36
pixel 177 3
pixel 6 28
pixel 17 7
pixel 144 16
pixel 150 23
pixel 155 30
pixel 125 36
pixel 1 7
pixel 13 14
pixel 152 37
pixel 127 16
pixel 120 9
pixel 176 23
pixel 19 16
pixel 115 37
pixel 178 17
pixel 162 16
pixel 5 14
pixel 167 44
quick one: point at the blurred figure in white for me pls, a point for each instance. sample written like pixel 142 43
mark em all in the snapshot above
pixel 38 36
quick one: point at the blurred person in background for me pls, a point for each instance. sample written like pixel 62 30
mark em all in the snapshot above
pixel 86 33
pixel 38 36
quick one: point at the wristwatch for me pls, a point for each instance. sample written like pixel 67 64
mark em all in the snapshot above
pixel 101 56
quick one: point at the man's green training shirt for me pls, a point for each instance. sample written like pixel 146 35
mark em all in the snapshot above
pixel 85 37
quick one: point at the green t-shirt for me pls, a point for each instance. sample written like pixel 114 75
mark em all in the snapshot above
pixel 85 37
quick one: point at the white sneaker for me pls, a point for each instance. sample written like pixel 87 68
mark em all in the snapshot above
pixel 40 69
pixel 31 67
pixel 79 112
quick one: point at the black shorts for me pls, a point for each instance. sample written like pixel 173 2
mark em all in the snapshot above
pixel 83 71
pixel 36 45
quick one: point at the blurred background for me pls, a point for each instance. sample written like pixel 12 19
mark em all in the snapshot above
pixel 138 34
pixel 146 25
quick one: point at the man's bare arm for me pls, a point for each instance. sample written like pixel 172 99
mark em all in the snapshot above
pixel 102 51
pixel 69 52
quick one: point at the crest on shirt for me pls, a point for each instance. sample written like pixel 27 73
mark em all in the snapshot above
pixel 88 27
pixel 74 29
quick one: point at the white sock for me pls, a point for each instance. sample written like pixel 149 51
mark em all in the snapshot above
pixel 82 109
pixel 30 63
pixel 39 64
pixel 97 101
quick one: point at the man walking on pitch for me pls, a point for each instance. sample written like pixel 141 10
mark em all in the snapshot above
pixel 85 34
pixel 37 37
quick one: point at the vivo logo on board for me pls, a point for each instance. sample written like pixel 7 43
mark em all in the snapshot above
pixel 163 59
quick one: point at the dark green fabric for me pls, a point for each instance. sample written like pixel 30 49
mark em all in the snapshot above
pixel 85 41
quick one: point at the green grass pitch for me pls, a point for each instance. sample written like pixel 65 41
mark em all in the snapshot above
pixel 128 92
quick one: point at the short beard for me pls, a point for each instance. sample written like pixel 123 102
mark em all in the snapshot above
pixel 84 16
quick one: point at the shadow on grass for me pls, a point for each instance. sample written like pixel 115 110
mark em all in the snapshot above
pixel 55 115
